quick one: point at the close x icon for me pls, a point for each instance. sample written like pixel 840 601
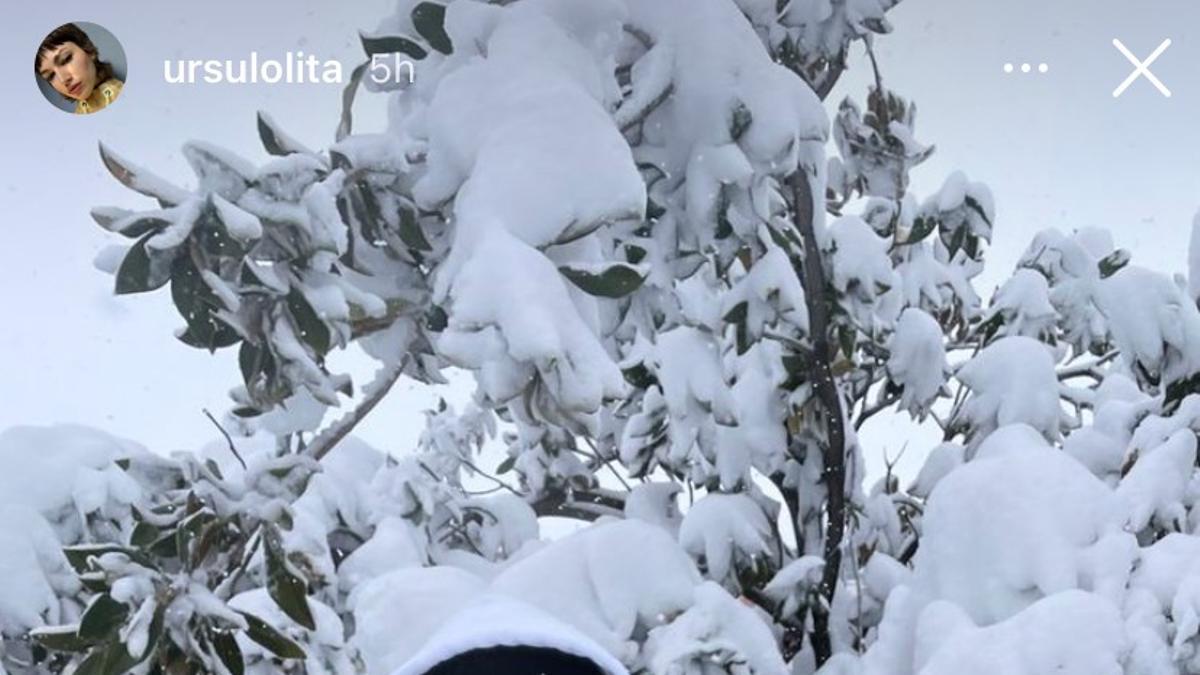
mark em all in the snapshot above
pixel 1142 68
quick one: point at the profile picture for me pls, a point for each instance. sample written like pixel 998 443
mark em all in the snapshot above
pixel 80 67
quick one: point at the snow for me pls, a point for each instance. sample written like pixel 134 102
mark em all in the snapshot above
pixel 727 531
pixel 492 621
pixel 655 503
pixel 395 544
pixel 1152 321
pixel 942 459
pixel 1072 633
pixel 1155 486
pixel 65 473
pixel 716 628
pixel 917 360
pixel 528 152
pixel 861 267
pixel 220 171
pixel 33 569
pixel 1012 380
pixel 689 370
pixel 1009 526
pixel 326 652
pixel 791 585
pixel 1023 303
pixel 384 608
pixel 548 336
pixel 241 225
pixel 718 61
pixel 606 580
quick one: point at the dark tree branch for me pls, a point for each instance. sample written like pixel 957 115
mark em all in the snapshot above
pixel 579 505
pixel 333 434
pixel 237 455
pixel 829 399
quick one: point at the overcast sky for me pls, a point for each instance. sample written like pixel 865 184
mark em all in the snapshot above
pixel 1056 148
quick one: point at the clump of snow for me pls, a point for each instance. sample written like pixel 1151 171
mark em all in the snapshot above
pixel 941 461
pixel 655 503
pixel 607 581
pixel 862 269
pixel 1154 488
pixel 493 621
pixel 1012 381
pixel 727 532
pixel 385 610
pixel 1009 526
pixel 67 473
pixel 1023 305
pixel 917 360
pixel 34 574
pixel 395 544
pixel 326 650
pixel 1153 322
pixel 716 629
pixel 1071 633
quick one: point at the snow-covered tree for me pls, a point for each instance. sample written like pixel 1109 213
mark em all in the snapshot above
pixel 625 219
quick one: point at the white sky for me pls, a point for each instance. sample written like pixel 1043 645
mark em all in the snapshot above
pixel 1056 149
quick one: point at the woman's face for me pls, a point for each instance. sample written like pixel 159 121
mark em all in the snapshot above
pixel 70 70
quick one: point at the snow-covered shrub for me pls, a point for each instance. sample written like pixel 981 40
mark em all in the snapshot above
pixel 619 217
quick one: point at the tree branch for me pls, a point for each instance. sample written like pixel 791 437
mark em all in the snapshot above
pixel 579 505
pixel 325 441
pixel 827 395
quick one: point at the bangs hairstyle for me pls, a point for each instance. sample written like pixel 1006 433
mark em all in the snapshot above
pixel 69 32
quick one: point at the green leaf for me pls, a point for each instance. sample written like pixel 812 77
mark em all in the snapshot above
pixel 391 44
pixel 348 94
pixel 1114 262
pixel 410 230
pixel 429 18
pixel 136 273
pixel 989 328
pixel 616 281
pixel 226 647
pixel 250 358
pixel 286 588
pixel 846 339
pixel 214 237
pixel 274 140
pixel 195 302
pixel 309 327
pixel 78 555
pixel 102 618
pixel 132 227
pixel 272 640
pixel 143 534
pixel 1180 389
pixel 507 465
pixel 639 376
pixel 207 541
pixel 634 254
pixel 921 228
pixel 129 176
pixel 436 319
pixel 957 239
pixel 740 121
pixel 977 208
pixel 736 316
pixel 229 179
pixel 61 638
pixel 110 659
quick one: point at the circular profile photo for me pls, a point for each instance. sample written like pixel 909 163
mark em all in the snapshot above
pixel 80 67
